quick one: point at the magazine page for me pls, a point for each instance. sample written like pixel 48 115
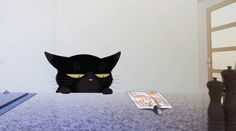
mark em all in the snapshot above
pixel 142 100
pixel 159 99
pixel 147 100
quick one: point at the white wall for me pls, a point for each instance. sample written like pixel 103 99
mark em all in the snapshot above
pixel 158 41
pixel 202 37
pixel 27 29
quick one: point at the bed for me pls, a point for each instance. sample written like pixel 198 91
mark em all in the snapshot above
pixel 98 112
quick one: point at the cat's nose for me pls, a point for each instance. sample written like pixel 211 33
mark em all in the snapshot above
pixel 90 79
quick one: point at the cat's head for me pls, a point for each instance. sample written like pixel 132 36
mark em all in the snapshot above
pixel 84 73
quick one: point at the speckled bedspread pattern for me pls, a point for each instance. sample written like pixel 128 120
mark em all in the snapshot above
pixel 98 112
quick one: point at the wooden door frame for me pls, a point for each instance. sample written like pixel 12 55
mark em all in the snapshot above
pixel 209 36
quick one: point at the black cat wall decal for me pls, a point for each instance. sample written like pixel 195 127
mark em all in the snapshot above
pixel 83 73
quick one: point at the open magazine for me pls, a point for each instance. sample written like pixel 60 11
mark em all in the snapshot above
pixel 148 100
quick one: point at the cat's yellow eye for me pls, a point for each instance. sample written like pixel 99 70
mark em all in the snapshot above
pixel 102 75
pixel 75 75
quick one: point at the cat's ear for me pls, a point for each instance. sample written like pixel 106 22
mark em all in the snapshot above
pixel 112 60
pixel 59 62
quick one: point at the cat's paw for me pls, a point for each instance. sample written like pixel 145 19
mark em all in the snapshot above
pixel 107 91
pixel 63 90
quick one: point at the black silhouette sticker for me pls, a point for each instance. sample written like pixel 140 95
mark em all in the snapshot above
pixel 83 73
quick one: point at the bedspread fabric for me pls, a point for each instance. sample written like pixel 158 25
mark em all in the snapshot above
pixel 98 112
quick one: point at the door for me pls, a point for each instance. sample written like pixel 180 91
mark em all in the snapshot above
pixel 221 37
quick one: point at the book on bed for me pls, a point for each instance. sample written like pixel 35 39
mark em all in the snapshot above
pixel 149 100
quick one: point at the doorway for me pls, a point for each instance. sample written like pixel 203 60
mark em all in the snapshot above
pixel 221 37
